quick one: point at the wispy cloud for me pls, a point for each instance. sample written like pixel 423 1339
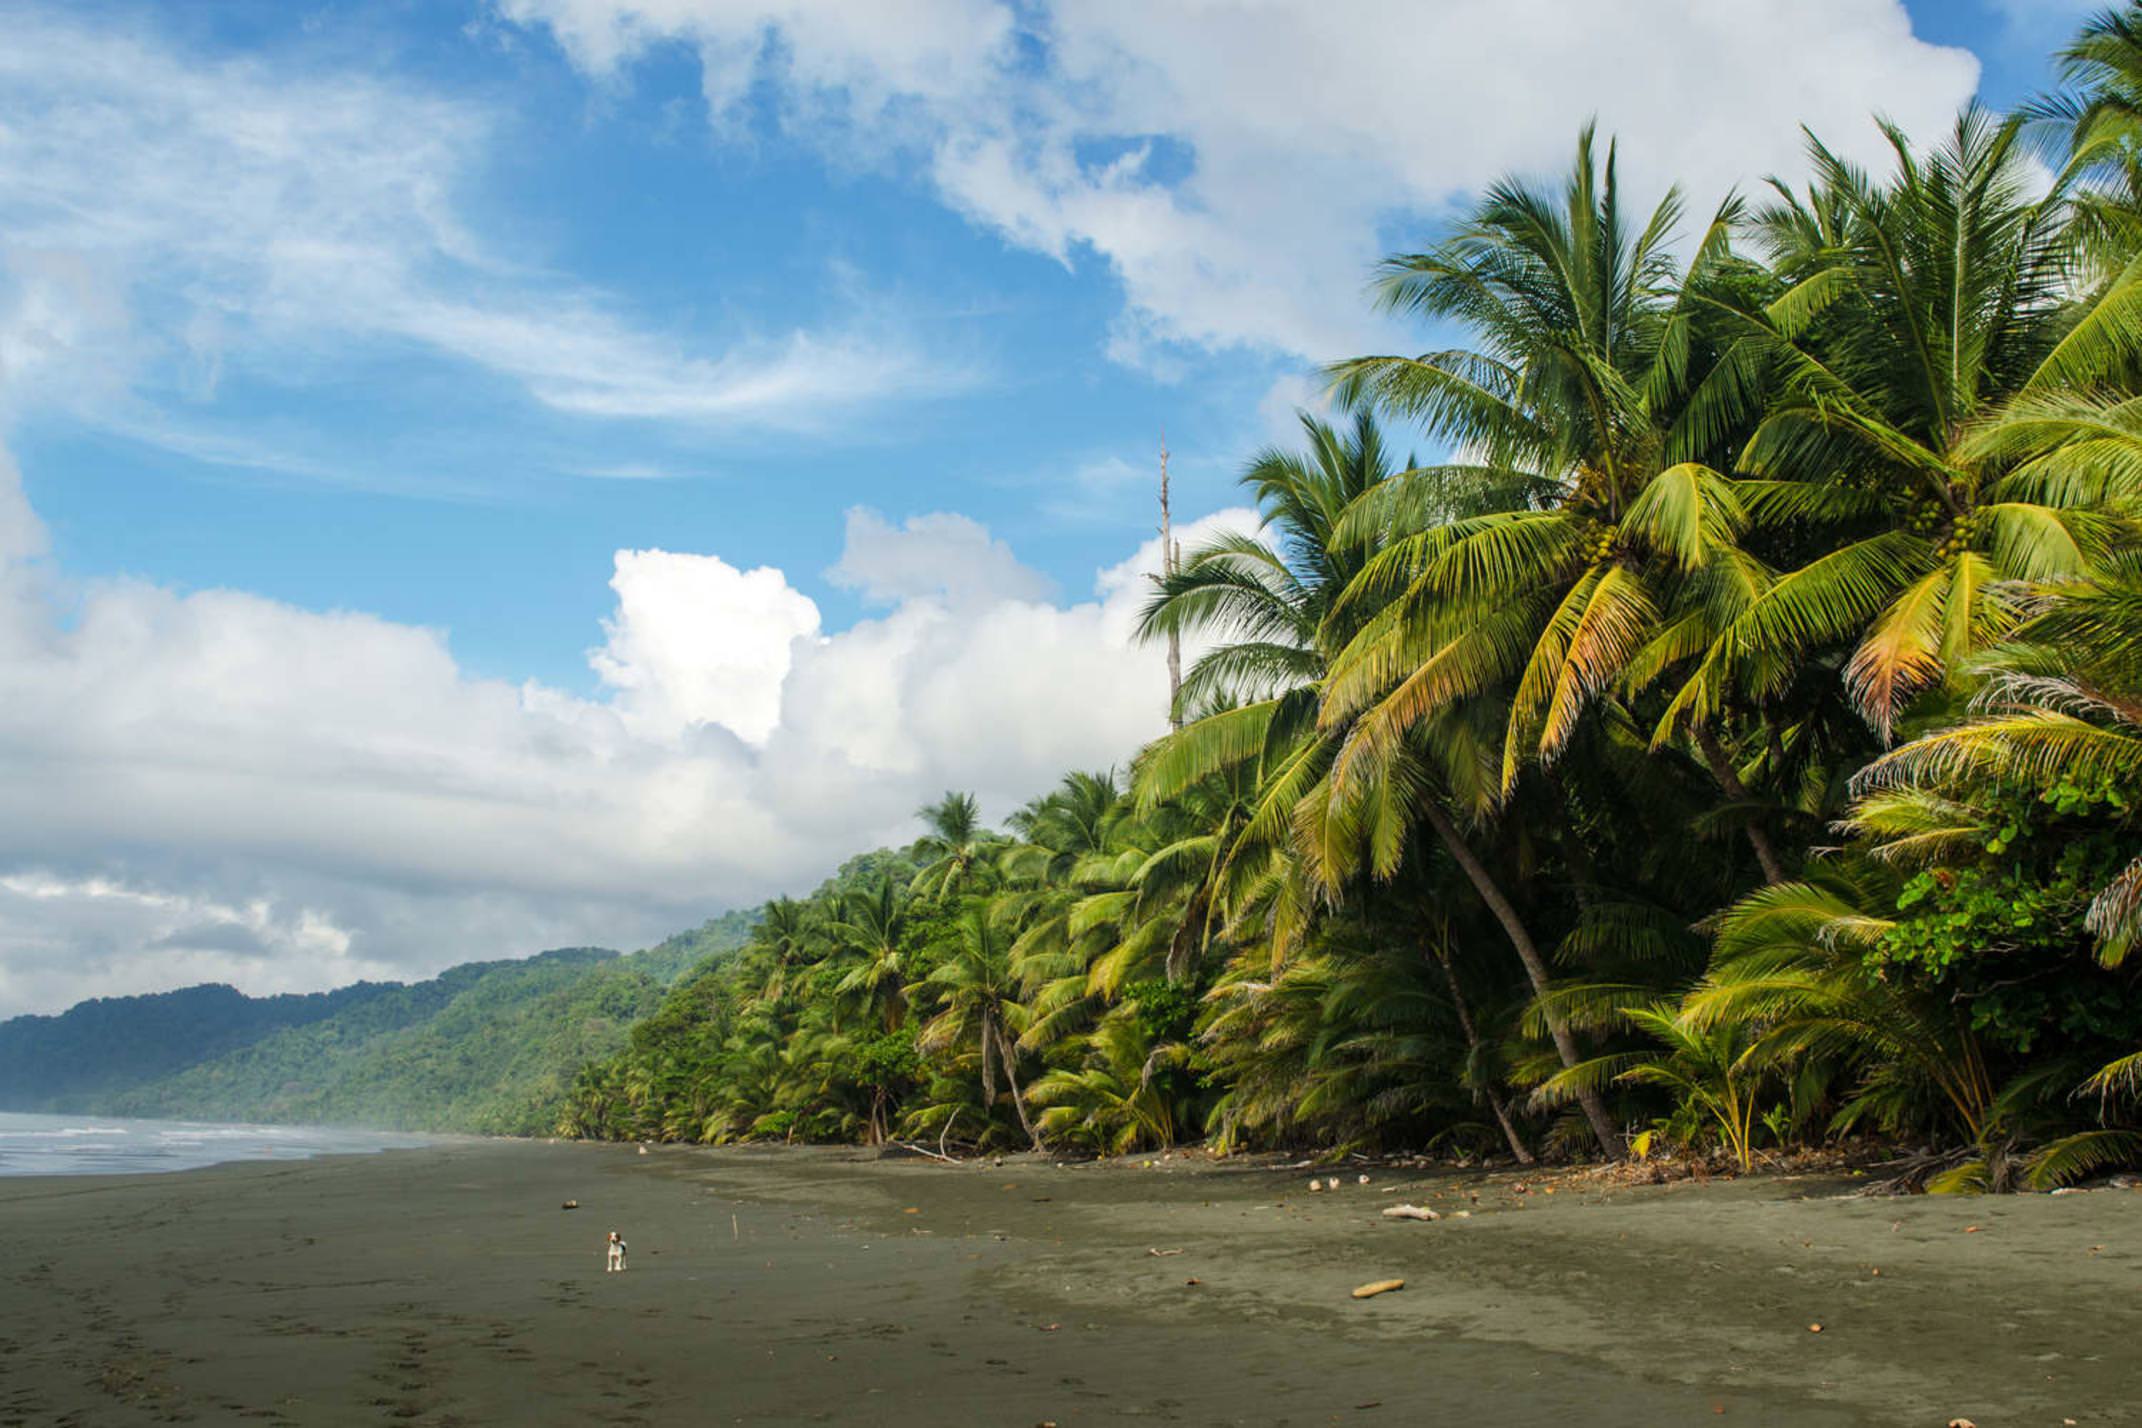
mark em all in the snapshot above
pixel 1237 163
pixel 171 219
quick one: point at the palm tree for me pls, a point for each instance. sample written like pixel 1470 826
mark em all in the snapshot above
pixel 870 952
pixel 1910 384
pixel 783 932
pixel 980 992
pixel 2094 131
pixel 952 840
pixel 1306 826
pixel 1111 1099
pixel 1707 1068
pixel 1539 562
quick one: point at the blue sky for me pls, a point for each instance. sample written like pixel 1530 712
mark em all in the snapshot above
pixel 409 484
pixel 439 424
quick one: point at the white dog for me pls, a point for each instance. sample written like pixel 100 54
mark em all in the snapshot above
pixel 615 1263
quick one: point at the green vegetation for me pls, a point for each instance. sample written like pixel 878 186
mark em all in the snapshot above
pixel 484 1047
pixel 1732 745
pixel 99 1048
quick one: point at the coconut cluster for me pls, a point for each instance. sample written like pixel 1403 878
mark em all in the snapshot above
pixel 1959 538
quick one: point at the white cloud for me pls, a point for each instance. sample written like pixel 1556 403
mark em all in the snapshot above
pixel 168 218
pixel 696 641
pixel 220 785
pixel 1239 164
pixel 942 555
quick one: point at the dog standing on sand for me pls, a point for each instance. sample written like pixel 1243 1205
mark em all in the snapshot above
pixel 615 1261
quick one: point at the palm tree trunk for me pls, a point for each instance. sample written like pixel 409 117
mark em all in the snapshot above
pixel 1714 754
pixel 1513 927
pixel 1011 1079
pixel 1472 1043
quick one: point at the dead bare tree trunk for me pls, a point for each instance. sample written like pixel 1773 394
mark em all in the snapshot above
pixel 1714 754
pixel 1170 562
pixel 1514 928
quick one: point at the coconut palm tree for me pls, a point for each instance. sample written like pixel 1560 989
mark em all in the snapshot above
pixel 1908 389
pixel 953 839
pixel 1304 829
pixel 1546 554
pixel 981 1009
pixel 870 953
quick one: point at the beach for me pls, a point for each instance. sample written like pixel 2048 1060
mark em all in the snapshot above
pixel 447 1286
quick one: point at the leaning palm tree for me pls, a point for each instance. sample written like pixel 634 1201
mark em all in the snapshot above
pixel 981 1009
pixel 1280 608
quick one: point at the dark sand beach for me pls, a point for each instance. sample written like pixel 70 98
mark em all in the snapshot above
pixel 446 1286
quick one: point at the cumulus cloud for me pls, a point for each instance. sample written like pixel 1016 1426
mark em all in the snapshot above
pixel 219 785
pixel 1240 163
pixel 695 641
pixel 942 555
pixel 169 217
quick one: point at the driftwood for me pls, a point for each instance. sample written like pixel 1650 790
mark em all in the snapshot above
pixel 1409 1212
pixel 1378 1286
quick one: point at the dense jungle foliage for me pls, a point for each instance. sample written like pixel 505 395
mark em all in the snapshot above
pixel 1733 742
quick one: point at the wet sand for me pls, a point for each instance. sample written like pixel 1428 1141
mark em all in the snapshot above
pixel 446 1286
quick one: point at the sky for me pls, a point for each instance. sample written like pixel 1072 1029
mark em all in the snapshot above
pixel 480 475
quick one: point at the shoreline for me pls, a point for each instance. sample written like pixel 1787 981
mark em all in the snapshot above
pixel 444 1285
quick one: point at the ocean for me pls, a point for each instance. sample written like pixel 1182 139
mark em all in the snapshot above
pixel 104 1145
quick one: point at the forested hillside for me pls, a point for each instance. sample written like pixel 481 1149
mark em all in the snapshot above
pixel 484 1047
pixel 1730 741
pixel 98 1048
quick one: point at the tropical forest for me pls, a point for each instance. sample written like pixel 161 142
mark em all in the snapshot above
pixel 1691 707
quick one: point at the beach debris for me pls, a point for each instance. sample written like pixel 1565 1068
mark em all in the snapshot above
pixel 1378 1286
pixel 1814 1328
pixel 1964 1423
pixel 1970 1229
pixel 1161 1253
pixel 2069 1190
pixel 1409 1211
pixel 1050 1328
pixel 912 1210
pixel 643 1150
pixel 2125 1182
pixel 570 1205
pixel 1361 1180
pixel 1193 1282
pixel 1315 1186
pixel 1459 1215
